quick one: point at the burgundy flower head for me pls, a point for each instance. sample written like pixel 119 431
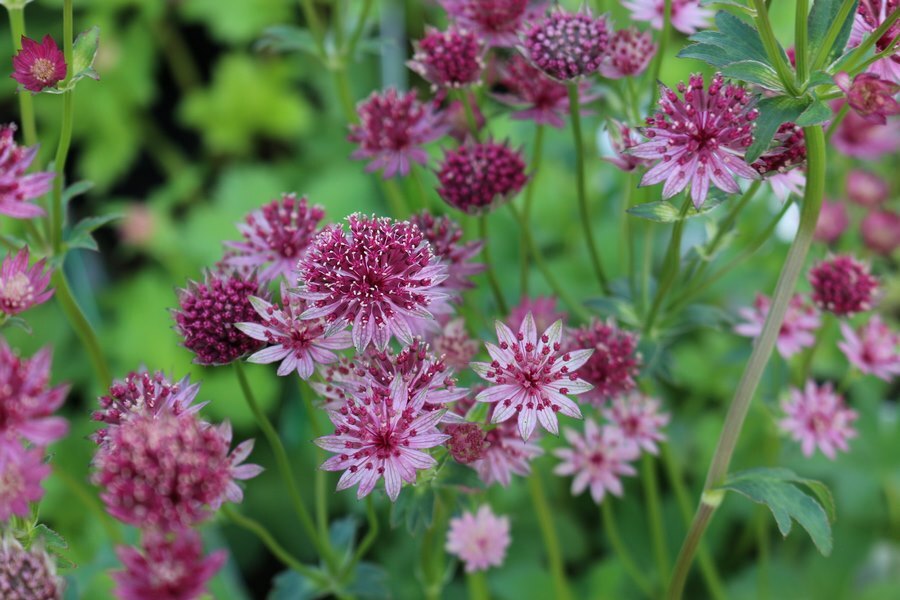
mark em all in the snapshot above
pixel 870 96
pixel 467 442
pixel 867 189
pixel 39 65
pixel 628 54
pixel 22 287
pixel 27 402
pixel 475 177
pixel 881 231
pixel 622 140
pixel 17 188
pixel 444 235
pixel 787 151
pixel 538 97
pixel 842 285
pixel 495 22
pixel 21 472
pixel 567 45
pixel 451 59
pixel 28 574
pixel 615 361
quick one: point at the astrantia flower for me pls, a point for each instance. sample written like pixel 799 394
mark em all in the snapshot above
pixel 870 96
pixel 445 235
pixel 640 419
pixel 17 188
pixel 166 567
pixel 28 574
pixel 506 454
pixel 869 17
pixel 455 345
pixel 797 331
pixel 22 287
pixel 275 237
pixel 567 45
pixel 479 540
pixel 39 65
pixel 538 97
pixel 881 231
pixel 699 140
pixel 628 53
pixel 207 315
pixel 614 364
pixel 453 115
pixel 467 442
pixel 380 277
pixel 21 473
pixel 785 184
pixel 867 189
pixel 817 416
pixel 863 139
pixel 833 221
pixel 597 460
pixel 27 402
pixel 451 58
pixel 622 140
pixel 381 436
pixel 475 177
pixel 781 165
pixel 532 377
pixel 874 348
pixel 842 285
pixel 687 15
pixel 393 127
pixel 542 309
pixel 495 22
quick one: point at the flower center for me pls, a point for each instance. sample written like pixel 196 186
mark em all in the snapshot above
pixel 43 70
pixel 16 290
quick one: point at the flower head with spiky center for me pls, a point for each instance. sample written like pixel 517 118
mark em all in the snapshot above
pixel 567 45
pixel 476 177
pixel 27 402
pixel 480 540
pixel 628 54
pixel 495 22
pixel 531 376
pixel 797 331
pixel 614 364
pixel 816 416
pixel 622 140
pixel 598 459
pixel 22 287
pixel 381 277
pixel 454 345
pixel 444 235
pixel 842 285
pixel 788 151
pixel 507 454
pixel 640 419
pixel 448 59
pixel 874 348
pixel 381 436
pixel 688 16
pixel 881 231
pixel 17 188
pixel 275 237
pixel 870 15
pixel 28 574
pixel 467 442
pixel 39 65
pixel 699 140
pixel 537 97
pixel 21 472
pixel 166 567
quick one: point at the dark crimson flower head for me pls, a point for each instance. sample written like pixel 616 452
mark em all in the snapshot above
pixel 451 58
pixel 870 96
pixel 444 235
pixel 567 45
pixel 475 176
pixel 495 22
pixel 27 574
pixel 615 361
pixel 22 287
pixel 39 65
pixel 628 53
pixel 842 285
pixel 16 187
pixel 788 151
pixel 467 442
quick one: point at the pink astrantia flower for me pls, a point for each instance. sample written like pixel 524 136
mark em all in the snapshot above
pixel 453 115
pixel 640 419
pixel 628 53
pixel 393 127
pixel 532 377
pixel 480 540
pixel 797 331
pixel 166 567
pixel 455 345
pixel 476 177
pixel 867 189
pixel 536 96
pixel 17 188
pixel 27 402
pixel 870 96
pixel 542 309
pixel 299 344
pixel 28 574
pixel 614 364
pixel 622 139
pixel 785 184
pixel 688 16
pixel 869 17
pixel 874 348
pixel 22 287
pixel 567 45
pixel 381 436
pixel 863 139
pixel 21 473
pixel 506 454
pixel 39 65
pixel 448 59
pixel 467 442
pixel 833 221
pixel 597 460
pixel 380 277
pixel 881 231
pixel 699 140
pixel 445 236
pixel 495 22
pixel 817 416
pixel 842 285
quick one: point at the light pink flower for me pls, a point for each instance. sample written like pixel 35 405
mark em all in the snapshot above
pixel 622 139
pixel 495 22
pixel 873 348
pixel 22 287
pixel 506 455
pixel 27 402
pixel 567 45
pixel 785 184
pixel 628 53
pixel 640 419
pixel 615 363
pixel 869 16
pixel 597 460
pixel 18 189
pixel 21 473
pixel 842 285
pixel 833 221
pixel 687 15
pixel 479 539
pixel 455 345
pixel 535 95
pixel 542 308
pixel 881 231
pixel 39 65
pixel 28 574
pixel 448 59
pixel 817 416
pixel 863 139
pixel 867 189
pixel 797 331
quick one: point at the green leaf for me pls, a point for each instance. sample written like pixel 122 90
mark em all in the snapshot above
pixel 84 51
pixel 414 509
pixel 821 16
pixel 80 235
pixel 7 321
pixel 370 582
pixel 815 113
pixel 736 3
pixel 290 585
pixel 772 113
pixel 342 534
pixel 775 487
pixel 819 78
pixel 754 72
pixel 663 211
pixel 76 189
pixel 287 38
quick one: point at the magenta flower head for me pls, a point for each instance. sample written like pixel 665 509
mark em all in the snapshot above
pixel 448 59
pixel 531 377
pixel 797 331
pixel 628 54
pixel 455 345
pixel 381 436
pixel 538 97
pixel 859 138
pixel 542 309
pixel 39 65
pixel 833 221
pixel 27 402
pixel 867 189
pixel 567 45
pixel 275 237
pixel 870 96
pixel 817 416
pixel 640 420
pixel 208 312
pixel 381 278
pixel 467 442
pixel 166 567
pixel 597 460
pixel 444 235
pixel 393 127
pixel 21 472
pixel 622 140
pixel 495 22
pixel 881 231
pixel 699 140
pixel 615 361
pixel 786 153
pixel 874 348
pixel 507 454
pixel 842 285
pixel 17 188
pixel 870 15
pixel 480 540
pixel 28 574
pixel 22 287
pixel 476 177
pixel 688 16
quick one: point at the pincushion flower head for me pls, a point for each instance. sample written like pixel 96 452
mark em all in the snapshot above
pixel 598 459
pixel 536 96
pixel 21 472
pixel 628 53
pixel 870 96
pixel 455 345
pixel 480 540
pixel 874 348
pixel 531 376
pixel 816 416
pixel 615 361
pixel 467 442
pixel 506 454
pixel 381 436
pixel 622 140
pixel 445 235
pixel 393 127
pixel 448 59
pixel 28 574
pixel 688 16
pixel 870 15
pixel 475 177
pixel 380 277
pixel 21 286
pixel 797 331
pixel 27 402
pixel 567 45
pixel 275 237
pixel 639 418
pixel 495 22
pixel 39 65
pixel 833 221
pixel 699 140
pixel 842 285
pixel 18 189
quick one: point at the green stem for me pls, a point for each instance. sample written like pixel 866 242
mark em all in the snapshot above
pixel 612 532
pixel 432 555
pixel 537 153
pixel 81 326
pixel 830 36
pixel 762 538
pixel 551 541
pixel 65 136
pixel 371 534
pixel 836 121
pixel 575 112
pixel 319 483
pixel 654 508
pixel 861 68
pixel 671 266
pixel 664 36
pixel 762 350
pixel 342 83
pixel 358 30
pixel 801 43
pixel 469 111
pixel 26 101
pixel 314 24
pixel 90 502
pixel 724 227
pixel 773 50
pixel 477 584
pixel 491 275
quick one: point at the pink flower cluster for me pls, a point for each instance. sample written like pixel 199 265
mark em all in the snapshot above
pixel 475 177
pixel 797 330
pixel 495 22
pixel 449 58
pixel 567 45
pixel 22 287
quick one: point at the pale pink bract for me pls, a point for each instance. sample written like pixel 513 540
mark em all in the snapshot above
pixel 17 187
pixel 598 459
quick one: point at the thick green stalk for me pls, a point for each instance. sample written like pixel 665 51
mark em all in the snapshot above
pixel 801 43
pixel 477 584
pixel 65 136
pixel 671 266
pixel 831 35
pixel 537 153
pixel 654 510
pixel 773 50
pixel 491 274
pixel 82 327
pixel 631 567
pixel 551 540
pixel 26 101
pixel 664 36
